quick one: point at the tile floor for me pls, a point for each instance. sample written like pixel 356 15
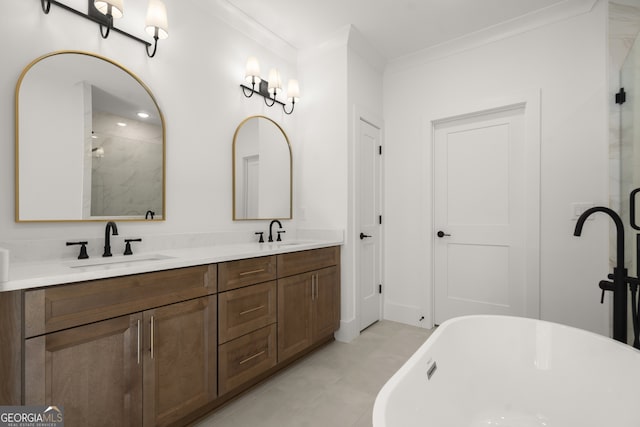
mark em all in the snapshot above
pixel 335 386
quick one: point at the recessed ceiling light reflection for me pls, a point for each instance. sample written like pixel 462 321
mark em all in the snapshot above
pixel 143 115
pixel 121 124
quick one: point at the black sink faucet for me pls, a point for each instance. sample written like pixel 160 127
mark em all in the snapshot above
pixel 111 227
pixel 271 229
pixel 619 276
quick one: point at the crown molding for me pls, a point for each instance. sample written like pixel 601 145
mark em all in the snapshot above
pixel 251 28
pixel 549 15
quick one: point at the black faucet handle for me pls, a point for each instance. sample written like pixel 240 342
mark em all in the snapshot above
pixel 83 249
pixel 261 233
pixel 279 239
pixel 605 285
pixel 127 248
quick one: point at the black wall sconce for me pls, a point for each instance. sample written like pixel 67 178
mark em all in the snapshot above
pixel 269 89
pixel 103 12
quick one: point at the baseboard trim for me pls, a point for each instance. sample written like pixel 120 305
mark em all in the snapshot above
pixel 348 330
pixel 410 315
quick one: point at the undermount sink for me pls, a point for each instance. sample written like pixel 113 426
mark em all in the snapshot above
pixel 290 243
pixel 120 261
pixel 276 245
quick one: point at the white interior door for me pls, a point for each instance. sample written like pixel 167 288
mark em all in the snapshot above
pixel 479 215
pixel 368 212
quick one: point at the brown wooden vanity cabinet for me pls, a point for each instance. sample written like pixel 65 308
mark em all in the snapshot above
pixel 162 348
pixel 150 366
pixel 308 299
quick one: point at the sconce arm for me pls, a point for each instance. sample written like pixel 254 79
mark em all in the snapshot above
pixel 155 46
pixel 293 105
pixel 273 101
pixel 108 26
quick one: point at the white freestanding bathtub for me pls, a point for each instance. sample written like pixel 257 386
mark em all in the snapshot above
pixel 513 372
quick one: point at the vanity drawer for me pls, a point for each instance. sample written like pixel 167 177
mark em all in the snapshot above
pixel 246 309
pixel 304 261
pixel 244 272
pixel 245 358
pixel 65 306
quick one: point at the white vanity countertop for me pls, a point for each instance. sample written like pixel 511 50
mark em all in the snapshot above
pixel 29 275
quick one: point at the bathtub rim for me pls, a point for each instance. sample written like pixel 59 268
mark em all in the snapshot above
pixel 380 406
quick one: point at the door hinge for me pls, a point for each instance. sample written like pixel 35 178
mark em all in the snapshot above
pixel 621 96
pixel 380 288
pixel 380 150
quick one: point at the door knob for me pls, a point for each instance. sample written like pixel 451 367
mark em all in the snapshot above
pixel 442 234
pixel 362 236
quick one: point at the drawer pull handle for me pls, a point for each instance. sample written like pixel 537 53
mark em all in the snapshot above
pixel 251 310
pixel 246 273
pixel 242 362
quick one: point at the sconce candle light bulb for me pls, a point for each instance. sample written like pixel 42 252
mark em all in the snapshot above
pixel 157 23
pixel 275 84
pixel 293 90
pixel 252 71
pixel 110 7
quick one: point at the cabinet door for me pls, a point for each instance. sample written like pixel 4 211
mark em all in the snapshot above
pixel 326 303
pixel 294 315
pixel 94 371
pixel 180 360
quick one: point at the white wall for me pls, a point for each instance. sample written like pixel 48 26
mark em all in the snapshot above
pixel 195 78
pixel 322 163
pixel 347 81
pixel 567 62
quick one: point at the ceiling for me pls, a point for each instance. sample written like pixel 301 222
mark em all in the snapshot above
pixel 394 28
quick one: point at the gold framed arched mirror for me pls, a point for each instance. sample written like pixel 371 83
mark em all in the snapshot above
pixel 262 171
pixel 90 142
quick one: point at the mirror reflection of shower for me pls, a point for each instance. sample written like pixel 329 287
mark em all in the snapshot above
pixel 126 165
